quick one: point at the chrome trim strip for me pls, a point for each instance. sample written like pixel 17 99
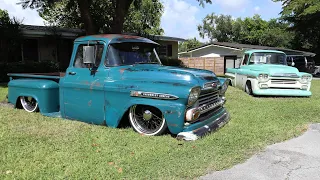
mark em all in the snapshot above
pixel 153 95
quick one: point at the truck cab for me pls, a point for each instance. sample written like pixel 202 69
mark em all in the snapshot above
pixel 112 78
pixel 265 72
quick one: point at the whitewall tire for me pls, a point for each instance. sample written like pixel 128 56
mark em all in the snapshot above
pixel 29 104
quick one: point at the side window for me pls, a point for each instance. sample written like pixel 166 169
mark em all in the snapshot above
pixel 245 60
pixel 78 62
pixel 169 49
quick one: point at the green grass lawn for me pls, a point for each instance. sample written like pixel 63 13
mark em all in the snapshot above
pixel 3 93
pixel 36 147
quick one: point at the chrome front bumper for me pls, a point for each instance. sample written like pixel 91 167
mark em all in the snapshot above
pixel 205 129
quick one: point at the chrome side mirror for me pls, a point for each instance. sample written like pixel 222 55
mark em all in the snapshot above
pixel 89 55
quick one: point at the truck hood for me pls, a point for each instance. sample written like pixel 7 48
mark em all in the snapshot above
pixel 273 69
pixel 167 74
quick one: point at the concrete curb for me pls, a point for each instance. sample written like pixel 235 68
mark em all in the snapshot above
pixel 298 158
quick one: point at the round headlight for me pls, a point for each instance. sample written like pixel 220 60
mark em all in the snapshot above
pixel 263 77
pixel 194 95
pixel 224 87
pixel 305 79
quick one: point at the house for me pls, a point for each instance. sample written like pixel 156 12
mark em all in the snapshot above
pixel 45 43
pixel 232 52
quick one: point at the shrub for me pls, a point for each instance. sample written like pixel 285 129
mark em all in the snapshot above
pixel 27 67
pixel 172 62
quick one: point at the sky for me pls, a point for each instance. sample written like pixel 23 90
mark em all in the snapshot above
pixel 180 17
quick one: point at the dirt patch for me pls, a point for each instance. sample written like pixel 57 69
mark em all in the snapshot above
pixel 6 104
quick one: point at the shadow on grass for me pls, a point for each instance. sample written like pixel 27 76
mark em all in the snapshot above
pixel 282 97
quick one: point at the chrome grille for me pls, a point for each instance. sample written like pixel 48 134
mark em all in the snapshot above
pixel 283 81
pixel 208 97
pixel 292 75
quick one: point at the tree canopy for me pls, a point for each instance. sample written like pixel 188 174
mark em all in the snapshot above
pixel 251 30
pixel 90 15
pixel 304 19
pixel 10 37
pixel 189 44
pixel 144 20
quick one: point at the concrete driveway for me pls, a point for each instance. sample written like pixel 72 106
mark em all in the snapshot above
pixel 296 159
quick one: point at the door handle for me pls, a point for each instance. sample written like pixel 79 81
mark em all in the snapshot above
pixel 72 73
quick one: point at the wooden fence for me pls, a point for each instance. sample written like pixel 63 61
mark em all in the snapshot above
pixel 215 64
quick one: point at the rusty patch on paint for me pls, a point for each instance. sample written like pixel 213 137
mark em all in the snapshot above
pixel 95 84
pixel 122 70
pixel 86 82
pixel 168 112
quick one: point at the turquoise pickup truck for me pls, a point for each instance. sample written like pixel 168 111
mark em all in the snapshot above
pixel 115 78
pixel 265 72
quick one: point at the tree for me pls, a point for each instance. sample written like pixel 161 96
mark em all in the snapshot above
pixel 189 44
pixel 10 37
pixel 118 8
pixel 250 30
pixel 145 20
pixel 304 19
pixel 216 27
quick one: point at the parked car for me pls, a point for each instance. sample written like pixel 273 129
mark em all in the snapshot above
pixel 112 78
pixel 302 63
pixel 265 72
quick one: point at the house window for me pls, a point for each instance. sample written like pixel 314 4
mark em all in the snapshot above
pixel 165 50
pixel 30 50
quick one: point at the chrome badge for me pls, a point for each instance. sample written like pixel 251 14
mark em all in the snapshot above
pixel 153 95
pixel 211 85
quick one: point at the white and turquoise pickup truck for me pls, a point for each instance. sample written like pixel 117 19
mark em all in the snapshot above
pixel 266 73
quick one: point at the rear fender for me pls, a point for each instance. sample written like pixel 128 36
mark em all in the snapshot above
pixel 46 93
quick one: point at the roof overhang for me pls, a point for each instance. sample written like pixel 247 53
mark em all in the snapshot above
pixel 36 34
pixel 208 45
pixel 287 51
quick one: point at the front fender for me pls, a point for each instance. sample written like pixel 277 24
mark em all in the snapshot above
pixel 172 110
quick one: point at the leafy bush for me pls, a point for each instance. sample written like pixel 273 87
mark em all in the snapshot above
pixel 28 67
pixel 172 62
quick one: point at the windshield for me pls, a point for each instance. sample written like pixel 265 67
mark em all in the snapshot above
pixel 268 58
pixel 131 53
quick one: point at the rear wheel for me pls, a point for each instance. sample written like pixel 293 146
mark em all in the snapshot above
pixel 248 88
pixel 29 104
pixel 147 120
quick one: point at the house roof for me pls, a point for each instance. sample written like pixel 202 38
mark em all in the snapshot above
pixel 40 31
pixel 238 46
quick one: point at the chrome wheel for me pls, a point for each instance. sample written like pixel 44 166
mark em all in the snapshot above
pixel 29 104
pixel 147 120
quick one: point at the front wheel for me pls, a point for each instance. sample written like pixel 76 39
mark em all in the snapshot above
pixel 248 88
pixel 147 120
pixel 29 104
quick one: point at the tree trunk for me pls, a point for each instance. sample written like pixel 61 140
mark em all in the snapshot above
pixel 121 11
pixel 86 17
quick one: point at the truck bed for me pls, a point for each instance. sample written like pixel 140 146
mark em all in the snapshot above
pixel 54 76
